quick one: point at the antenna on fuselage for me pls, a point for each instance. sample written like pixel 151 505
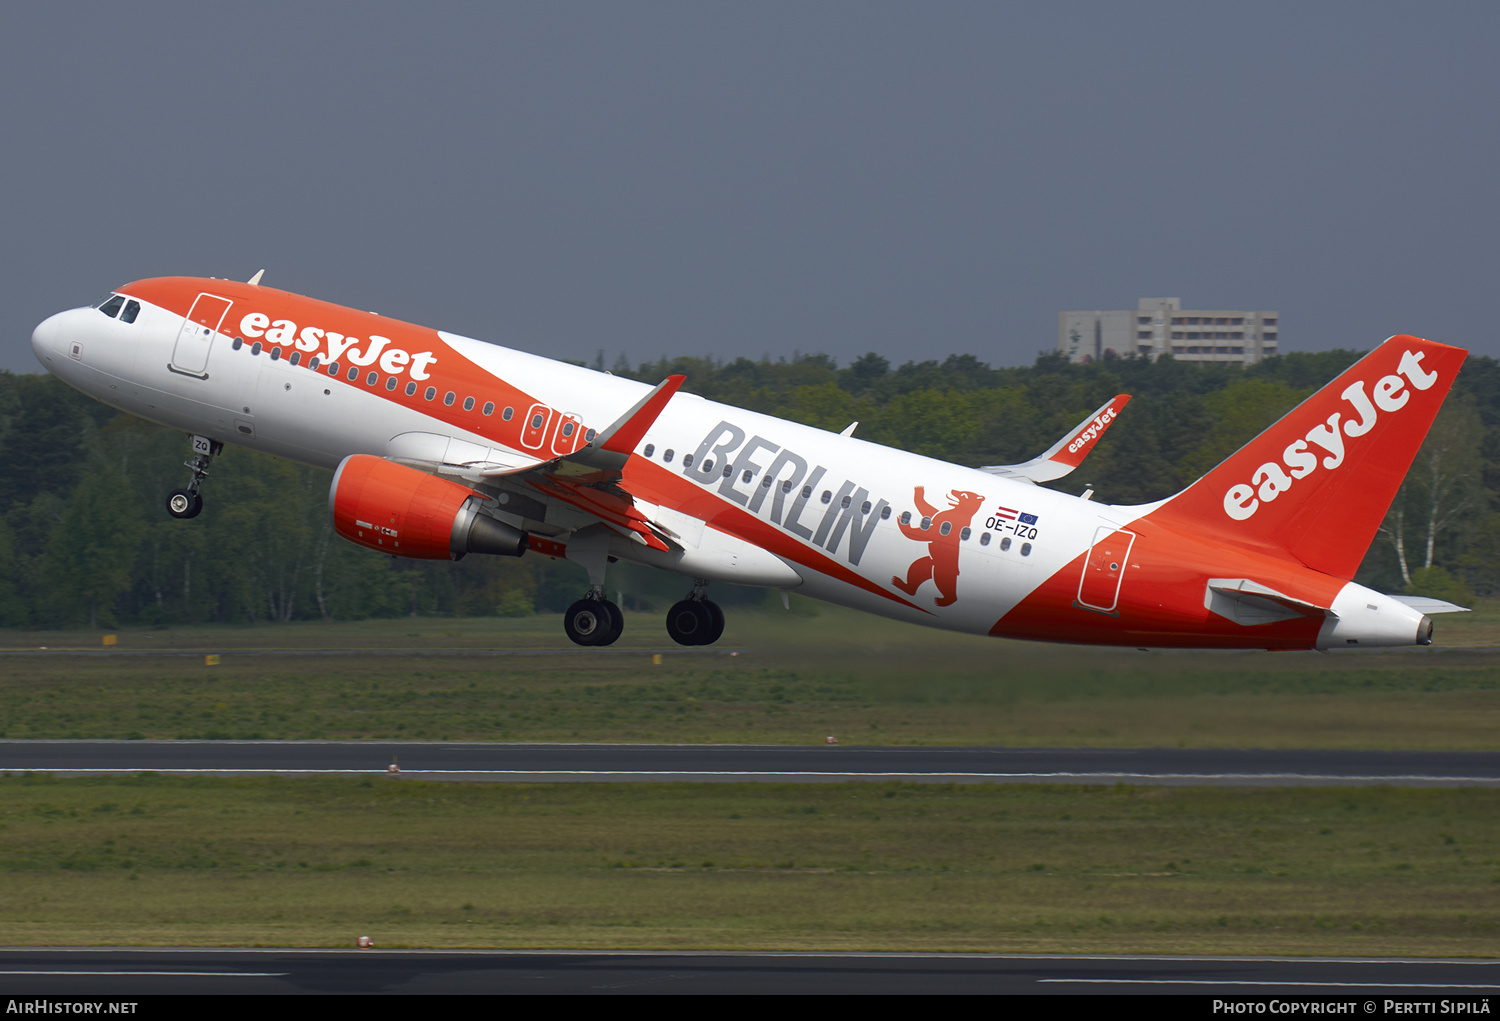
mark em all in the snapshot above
pixel 255 280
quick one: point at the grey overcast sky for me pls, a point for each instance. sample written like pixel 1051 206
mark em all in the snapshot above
pixel 763 178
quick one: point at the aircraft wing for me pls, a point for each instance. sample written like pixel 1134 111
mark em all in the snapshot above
pixel 1067 453
pixel 587 479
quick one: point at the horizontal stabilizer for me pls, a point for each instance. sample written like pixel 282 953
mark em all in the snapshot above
pixel 1249 602
pixel 1067 453
pixel 1426 604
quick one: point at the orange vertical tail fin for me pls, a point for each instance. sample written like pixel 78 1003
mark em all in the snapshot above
pixel 1318 483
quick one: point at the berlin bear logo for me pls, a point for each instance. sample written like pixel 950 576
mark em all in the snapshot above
pixel 941 534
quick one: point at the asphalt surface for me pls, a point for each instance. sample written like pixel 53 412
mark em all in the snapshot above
pixel 126 973
pixel 540 763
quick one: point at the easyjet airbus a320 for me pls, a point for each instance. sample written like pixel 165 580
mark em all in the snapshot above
pixel 444 446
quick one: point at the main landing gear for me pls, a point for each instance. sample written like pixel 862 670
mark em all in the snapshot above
pixel 594 620
pixel 695 620
pixel 186 503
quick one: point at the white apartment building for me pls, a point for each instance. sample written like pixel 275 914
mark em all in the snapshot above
pixel 1158 326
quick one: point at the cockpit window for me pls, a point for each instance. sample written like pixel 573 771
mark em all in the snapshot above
pixel 111 306
pixel 132 309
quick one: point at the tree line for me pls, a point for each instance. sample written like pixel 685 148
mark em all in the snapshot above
pixel 84 539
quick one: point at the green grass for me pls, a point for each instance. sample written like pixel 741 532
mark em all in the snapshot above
pixel 205 861
pixel 163 860
pixel 777 678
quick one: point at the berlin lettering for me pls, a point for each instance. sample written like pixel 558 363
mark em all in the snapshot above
pixel 762 469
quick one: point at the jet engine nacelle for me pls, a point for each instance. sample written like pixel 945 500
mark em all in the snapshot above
pixel 398 510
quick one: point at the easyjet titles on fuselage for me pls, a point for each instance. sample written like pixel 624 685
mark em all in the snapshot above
pixel 332 346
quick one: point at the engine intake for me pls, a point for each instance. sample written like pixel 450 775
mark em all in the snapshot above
pixel 404 512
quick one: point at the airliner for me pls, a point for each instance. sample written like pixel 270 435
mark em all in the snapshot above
pixel 443 446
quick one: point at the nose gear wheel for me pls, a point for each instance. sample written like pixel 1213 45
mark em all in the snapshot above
pixel 184 503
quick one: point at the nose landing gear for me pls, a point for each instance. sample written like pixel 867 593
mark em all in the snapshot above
pixel 186 503
pixel 695 620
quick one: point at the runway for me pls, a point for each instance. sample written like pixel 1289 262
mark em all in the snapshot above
pixel 130 973
pixel 622 763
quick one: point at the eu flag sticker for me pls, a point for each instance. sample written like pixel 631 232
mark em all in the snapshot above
pixel 1028 519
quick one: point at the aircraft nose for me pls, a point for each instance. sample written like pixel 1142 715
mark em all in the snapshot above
pixel 45 338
